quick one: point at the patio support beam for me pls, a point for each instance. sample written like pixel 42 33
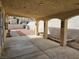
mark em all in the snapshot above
pixel 63 32
pixel 7 30
pixel 2 28
pixel 37 27
pixel 45 29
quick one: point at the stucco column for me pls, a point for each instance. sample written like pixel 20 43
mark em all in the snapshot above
pixel 45 29
pixel 6 27
pixel 37 26
pixel 63 32
pixel 2 27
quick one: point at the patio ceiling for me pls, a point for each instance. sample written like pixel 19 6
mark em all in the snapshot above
pixel 41 8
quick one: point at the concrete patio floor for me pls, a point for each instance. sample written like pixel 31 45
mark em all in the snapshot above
pixel 33 47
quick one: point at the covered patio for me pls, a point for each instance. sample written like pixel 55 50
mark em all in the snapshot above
pixel 34 46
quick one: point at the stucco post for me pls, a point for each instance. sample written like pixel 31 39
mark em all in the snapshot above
pixel 6 24
pixel 37 26
pixel 63 32
pixel 45 29
pixel 2 27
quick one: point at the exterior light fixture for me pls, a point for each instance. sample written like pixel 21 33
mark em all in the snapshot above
pixel 41 3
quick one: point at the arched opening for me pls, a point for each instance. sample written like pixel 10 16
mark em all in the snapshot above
pixel 41 27
pixel 73 31
pixel 54 29
pixel 73 22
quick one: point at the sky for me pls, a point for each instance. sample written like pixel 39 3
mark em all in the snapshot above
pixel 73 23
